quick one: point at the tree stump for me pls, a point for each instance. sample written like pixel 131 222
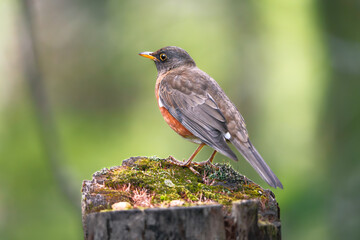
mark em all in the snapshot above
pixel 150 198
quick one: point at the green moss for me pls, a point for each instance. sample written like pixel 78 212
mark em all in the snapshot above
pixel 163 182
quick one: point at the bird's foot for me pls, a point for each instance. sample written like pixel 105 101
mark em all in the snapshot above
pixel 207 162
pixel 193 170
pixel 179 163
pixel 187 164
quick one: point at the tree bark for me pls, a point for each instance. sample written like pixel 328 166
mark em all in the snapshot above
pixel 243 219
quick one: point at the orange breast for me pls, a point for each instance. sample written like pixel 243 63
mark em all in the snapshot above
pixel 175 124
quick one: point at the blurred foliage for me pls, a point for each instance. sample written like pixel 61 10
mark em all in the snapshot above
pixel 291 67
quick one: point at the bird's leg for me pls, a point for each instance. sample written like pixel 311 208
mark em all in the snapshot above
pixel 188 162
pixel 209 161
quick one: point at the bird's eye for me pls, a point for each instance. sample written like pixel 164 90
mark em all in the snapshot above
pixel 163 57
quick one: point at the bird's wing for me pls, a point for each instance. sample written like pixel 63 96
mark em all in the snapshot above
pixel 189 103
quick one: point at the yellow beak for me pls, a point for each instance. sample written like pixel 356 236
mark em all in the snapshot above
pixel 148 55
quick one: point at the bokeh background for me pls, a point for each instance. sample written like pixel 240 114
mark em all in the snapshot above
pixel 75 97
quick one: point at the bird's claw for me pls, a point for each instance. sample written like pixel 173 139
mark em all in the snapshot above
pixel 207 162
pixel 179 163
pixel 189 164
pixel 193 170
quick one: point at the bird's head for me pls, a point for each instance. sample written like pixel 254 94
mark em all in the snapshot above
pixel 168 58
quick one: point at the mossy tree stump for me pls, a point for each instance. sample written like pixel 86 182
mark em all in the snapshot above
pixel 149 198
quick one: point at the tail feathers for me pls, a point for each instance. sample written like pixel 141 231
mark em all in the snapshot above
pixel 253 157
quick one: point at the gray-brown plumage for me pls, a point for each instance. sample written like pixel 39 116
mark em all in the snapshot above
pixel 195 106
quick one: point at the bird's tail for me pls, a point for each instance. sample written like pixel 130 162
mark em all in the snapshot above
pixel 253 157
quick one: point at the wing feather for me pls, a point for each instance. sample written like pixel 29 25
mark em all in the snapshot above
pixel 197 111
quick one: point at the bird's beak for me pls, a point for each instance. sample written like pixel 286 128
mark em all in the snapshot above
pixel 148 55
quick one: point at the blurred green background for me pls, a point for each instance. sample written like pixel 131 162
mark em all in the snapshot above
pixel 75 97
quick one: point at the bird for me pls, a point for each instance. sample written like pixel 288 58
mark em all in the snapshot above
pixel 194 105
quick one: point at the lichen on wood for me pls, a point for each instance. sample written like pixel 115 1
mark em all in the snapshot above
pixel 151 198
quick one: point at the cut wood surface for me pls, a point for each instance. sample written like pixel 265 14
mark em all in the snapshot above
pixel 149 198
